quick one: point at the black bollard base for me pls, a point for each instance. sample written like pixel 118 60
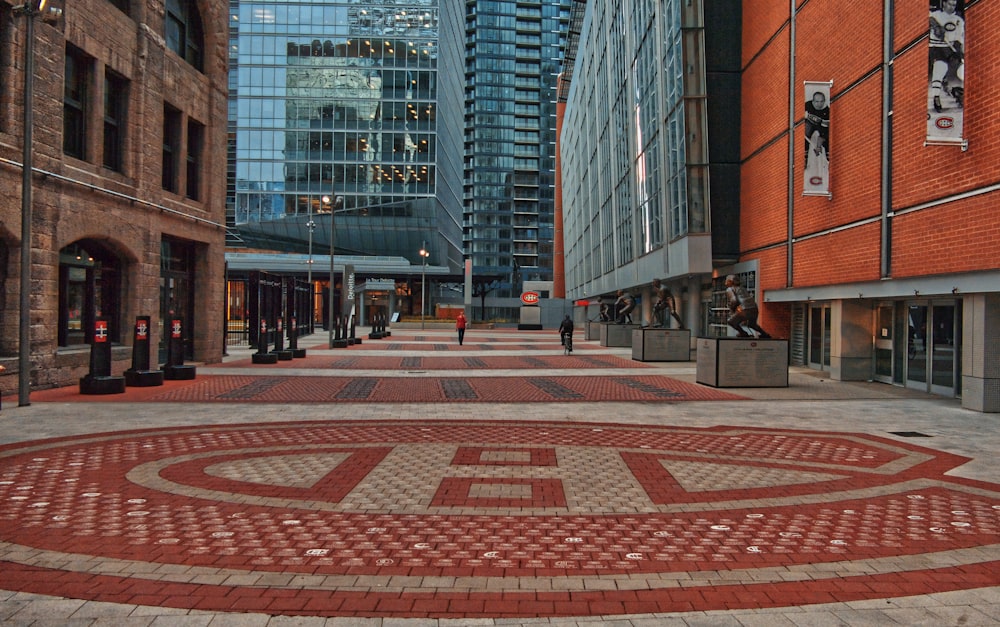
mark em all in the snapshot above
pixel 143 378
pixel 298 353
pixel 264 358
pixel 179 373
pixel 102 385
pixel 339 344
pixel 354 340
pixel 284 355
pixel 375 335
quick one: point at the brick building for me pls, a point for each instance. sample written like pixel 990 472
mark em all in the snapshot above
pixel 828 153
pixel 891 269
pixel 127 193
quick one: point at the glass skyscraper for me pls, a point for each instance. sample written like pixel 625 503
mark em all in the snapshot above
pixel 334 107
pixel 514 50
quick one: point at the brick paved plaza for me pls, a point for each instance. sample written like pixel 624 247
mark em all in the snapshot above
pixel 410 480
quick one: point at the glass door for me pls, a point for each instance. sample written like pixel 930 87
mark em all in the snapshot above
pixel 933 359
pixel 884 342
pixel 916 346
pixel 819 337
pixel 944 358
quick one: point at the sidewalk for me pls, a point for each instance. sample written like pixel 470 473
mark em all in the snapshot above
pixel 410 481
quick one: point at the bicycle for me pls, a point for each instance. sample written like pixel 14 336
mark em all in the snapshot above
pixel 567 344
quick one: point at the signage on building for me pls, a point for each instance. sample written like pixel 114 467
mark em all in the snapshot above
pixel 380 285
pixel 529 298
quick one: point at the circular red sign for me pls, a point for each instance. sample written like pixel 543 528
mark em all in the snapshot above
pixel 529 298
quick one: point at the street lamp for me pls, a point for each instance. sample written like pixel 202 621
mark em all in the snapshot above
pixel 30 10
pixel 311 225
pixel 423 282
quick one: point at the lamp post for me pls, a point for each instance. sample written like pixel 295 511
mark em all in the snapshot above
pixel 423 283
pixel 30 10
pixel 311 225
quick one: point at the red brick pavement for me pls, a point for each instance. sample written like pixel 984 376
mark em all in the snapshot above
pixel 371 389
pixel 356 359
pixel 500 519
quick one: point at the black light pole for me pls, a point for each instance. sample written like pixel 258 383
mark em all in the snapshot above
pixel 311 225
pixel 423 282
pixel 30 10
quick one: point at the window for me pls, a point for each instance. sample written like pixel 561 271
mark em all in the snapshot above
pixel 121 5
pixel 78 69
pixel 184 36
pixel 89 289
pixel 115 110
pixel 171 147
pixel 196 143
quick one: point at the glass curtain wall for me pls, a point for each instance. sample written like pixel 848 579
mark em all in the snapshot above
pixel 633 179
pixel 334 105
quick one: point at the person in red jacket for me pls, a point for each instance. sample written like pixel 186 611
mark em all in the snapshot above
pixel 460 324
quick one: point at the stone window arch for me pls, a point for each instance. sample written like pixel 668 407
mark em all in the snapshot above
pixel 90 287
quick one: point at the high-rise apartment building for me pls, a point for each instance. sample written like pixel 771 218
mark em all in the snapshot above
pixel 514 55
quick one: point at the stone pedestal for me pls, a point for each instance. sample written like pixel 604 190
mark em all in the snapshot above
pixel 592 330
pixel 742 362
pixel 650 344
pixel 531 319
pixel 617 335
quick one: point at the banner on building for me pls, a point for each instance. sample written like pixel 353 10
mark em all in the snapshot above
pixel 946 72
pixel 816 177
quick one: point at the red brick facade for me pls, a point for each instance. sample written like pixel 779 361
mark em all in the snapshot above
pixel 931 228
pixel 126 213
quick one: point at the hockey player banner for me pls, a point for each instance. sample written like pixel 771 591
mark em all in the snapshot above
pixel 946 86
pixel 816 177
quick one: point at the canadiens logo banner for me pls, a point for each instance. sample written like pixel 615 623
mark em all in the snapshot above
pixel 816 177
pixel 946 72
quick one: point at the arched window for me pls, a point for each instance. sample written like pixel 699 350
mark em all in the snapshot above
pixel 89 288
pixel 184 32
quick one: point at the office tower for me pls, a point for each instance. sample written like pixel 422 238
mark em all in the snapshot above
pixel 334 113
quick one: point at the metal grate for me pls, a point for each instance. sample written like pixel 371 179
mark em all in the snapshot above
pixel 910 434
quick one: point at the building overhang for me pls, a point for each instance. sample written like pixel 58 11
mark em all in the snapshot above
pixel 291 263
pixel 910 287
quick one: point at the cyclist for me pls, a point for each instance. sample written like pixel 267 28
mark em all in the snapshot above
pixel 566 333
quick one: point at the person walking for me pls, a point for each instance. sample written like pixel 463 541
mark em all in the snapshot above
pixel 460 324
